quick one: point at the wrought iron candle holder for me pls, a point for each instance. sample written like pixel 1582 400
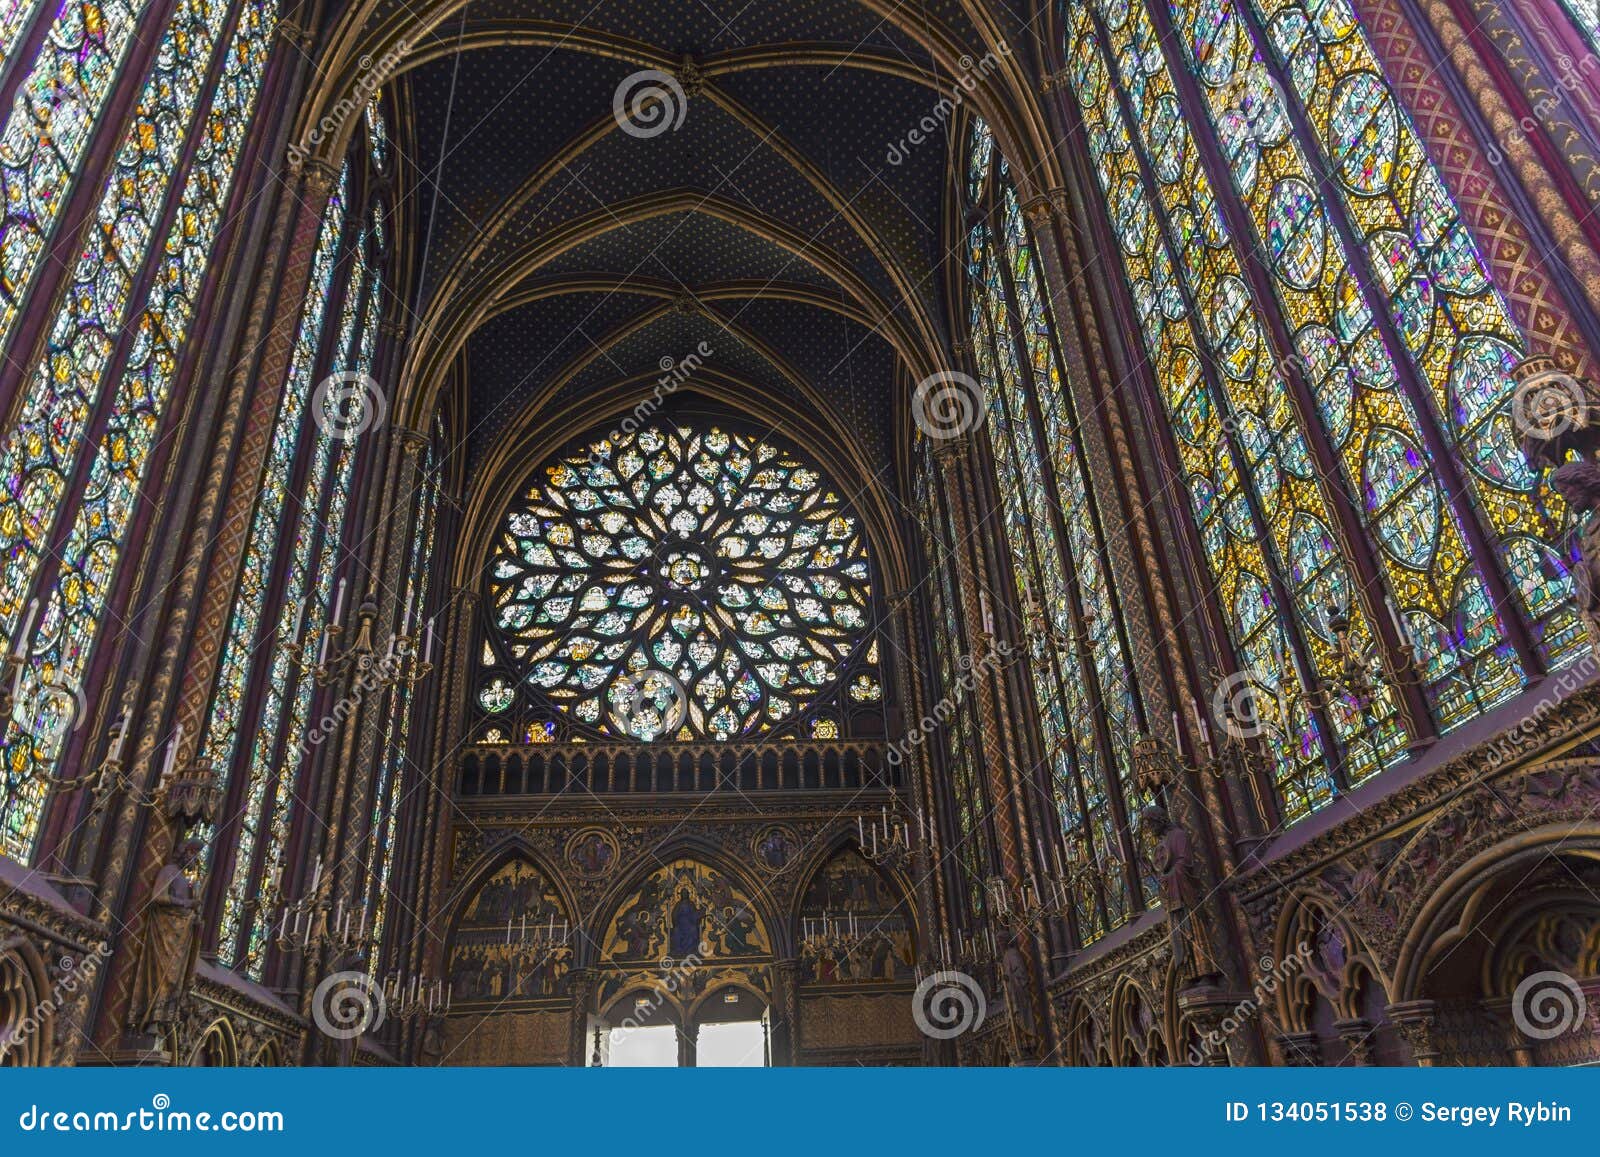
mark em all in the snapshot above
pixel 1361 669
pixel 406 1000
pixel 316 920
pixel 1028 904
pixel 360 660
pixel 886 841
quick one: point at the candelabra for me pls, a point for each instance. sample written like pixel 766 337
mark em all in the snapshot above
pixel 1027 904
pixel 360 659
pixel 887 841
pixel 1361 669
pixel 316 920
pixel 538 942
pixel 186 797
pixel 406 1000
pixel 1039 630
pixel 831 935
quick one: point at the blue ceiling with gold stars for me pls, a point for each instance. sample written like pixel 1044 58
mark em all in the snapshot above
pixel 776 184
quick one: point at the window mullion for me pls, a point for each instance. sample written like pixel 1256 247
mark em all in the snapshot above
pixel 1458 492
pixel 1289 621
pixel 1356 548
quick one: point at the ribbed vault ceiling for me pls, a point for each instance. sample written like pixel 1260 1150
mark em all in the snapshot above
pixel 770 224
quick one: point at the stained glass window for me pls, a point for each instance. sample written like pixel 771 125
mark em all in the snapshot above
pixel 678 582
pixel 1080 668
pixel 1586 15
pixel 1264 520
pixel 377 132
pixel 67 387
pixel 387 787
pixel 1315 151
pixel 241 651
pixel 958 739
pixel 13 23
pixel 301 615
pixel 1415 260
pixel 52 120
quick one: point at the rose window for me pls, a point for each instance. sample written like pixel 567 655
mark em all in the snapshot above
pixel 680 583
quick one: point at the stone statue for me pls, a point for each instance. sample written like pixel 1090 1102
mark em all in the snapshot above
pixel 1019 988
pixel 171 945
pixel 431 1046
pixel 1194 954
pixel 1579 484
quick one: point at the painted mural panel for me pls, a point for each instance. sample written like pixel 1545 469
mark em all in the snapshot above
pixel 512 942
pixel 855 926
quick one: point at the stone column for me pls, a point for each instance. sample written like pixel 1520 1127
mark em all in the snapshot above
pixel 1356 1032
pixel 785 1013
pixel 203 593
pixel 1417 1022
pixel 1300 1049
pixel 1511 142
pixel 1514 258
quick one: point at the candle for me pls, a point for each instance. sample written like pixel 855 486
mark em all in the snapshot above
pixel 322 650
pixel 316 875
pixel 984 613
pixel 299 620
pixel 1177 733
pixel 338 601
pixel 405 620
pixel 172 752
pixel 1401 626
pixel 27 629
pixel 123 722
pixel 861 833
pixel 427 647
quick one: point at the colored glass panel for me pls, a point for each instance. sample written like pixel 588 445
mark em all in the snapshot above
pixel 275 503
pixel 722 560
pixel 1225 514
pixel 56 410
pixel 1411 243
